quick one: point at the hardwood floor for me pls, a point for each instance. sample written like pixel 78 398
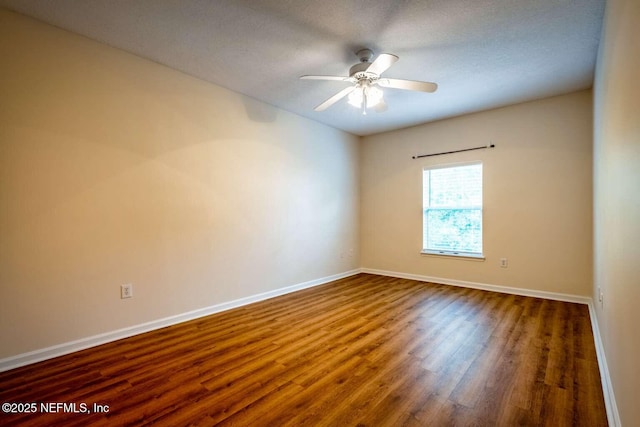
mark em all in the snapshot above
pixel 366 351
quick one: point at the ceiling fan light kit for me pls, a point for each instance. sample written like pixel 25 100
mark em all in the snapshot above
pixel 365 96
pixel 365 76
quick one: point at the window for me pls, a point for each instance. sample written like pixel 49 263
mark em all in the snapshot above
pixel 452 210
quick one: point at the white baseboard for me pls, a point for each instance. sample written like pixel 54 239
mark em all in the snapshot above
pixel 613 416
pixel 483 286
pixel 84 343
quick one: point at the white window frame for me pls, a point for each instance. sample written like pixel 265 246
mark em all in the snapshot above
pixel 453 253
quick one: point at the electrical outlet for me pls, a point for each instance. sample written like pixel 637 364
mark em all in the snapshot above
pixel 600 296
pixel 126 291
pixel 504 263
pixel 601 299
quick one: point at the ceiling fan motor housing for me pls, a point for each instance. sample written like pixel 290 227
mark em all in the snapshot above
pixel 359 71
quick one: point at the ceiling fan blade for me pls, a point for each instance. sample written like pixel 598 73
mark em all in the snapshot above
pixel 408 85
pixel 335 98
pixel 340 78
pixel 382 63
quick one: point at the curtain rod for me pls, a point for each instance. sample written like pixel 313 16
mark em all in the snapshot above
pixel 456 151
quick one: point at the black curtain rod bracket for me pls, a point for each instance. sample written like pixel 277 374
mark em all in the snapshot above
pixel 455 151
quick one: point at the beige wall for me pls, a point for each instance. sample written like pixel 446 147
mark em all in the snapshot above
pixel 117 170
pixel 537 195
pixel 617 201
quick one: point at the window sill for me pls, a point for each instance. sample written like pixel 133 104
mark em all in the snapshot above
pixel 451 254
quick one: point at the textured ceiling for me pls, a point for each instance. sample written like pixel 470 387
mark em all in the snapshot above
pixel 483 54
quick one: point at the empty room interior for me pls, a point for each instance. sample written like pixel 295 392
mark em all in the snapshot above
pixel 420 213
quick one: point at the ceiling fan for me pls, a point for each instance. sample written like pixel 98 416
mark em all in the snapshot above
pixel 364 93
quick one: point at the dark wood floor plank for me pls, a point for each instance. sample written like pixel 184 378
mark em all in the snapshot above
pixel 366 350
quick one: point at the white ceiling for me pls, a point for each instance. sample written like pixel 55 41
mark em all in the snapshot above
pixel 482 53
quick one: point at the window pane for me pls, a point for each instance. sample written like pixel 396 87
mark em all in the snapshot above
pixel 456 186
pixel 453 230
